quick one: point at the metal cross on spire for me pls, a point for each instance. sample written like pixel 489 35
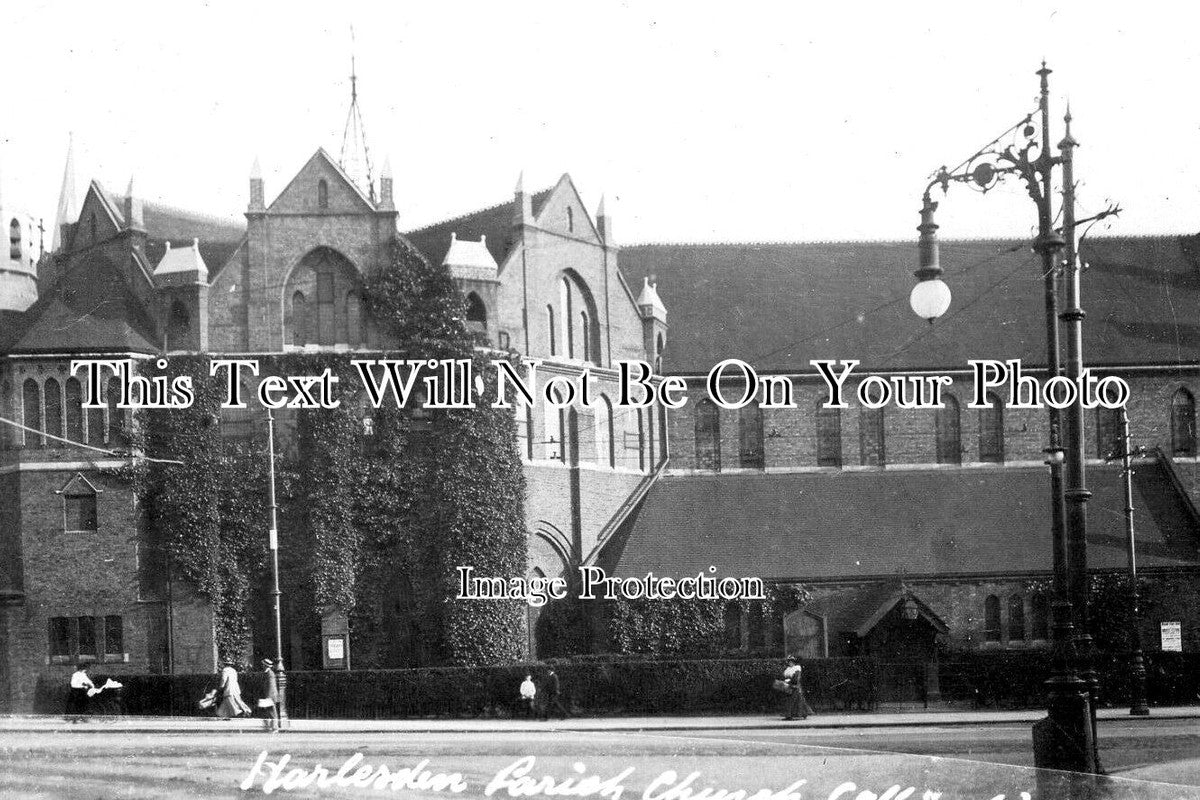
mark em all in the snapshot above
pixel 355 158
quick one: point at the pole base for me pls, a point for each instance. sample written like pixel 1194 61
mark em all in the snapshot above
pixel 1064 739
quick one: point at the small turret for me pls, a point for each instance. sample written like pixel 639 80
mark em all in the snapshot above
pixel 654 322
pixel 522 204
pixel 133 209
pixel 605 223
pixel 256 187
pixel 385 187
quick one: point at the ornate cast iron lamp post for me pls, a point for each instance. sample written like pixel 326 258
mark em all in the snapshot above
pixel 1066 739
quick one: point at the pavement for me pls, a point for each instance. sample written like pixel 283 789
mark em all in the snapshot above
pixel 876 719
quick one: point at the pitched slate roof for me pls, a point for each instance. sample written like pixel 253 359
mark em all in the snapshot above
pixel 866 524
pixel 494 222
pixel 780 305
pixel 89 310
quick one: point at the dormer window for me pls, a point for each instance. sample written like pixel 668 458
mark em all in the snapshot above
pixel 14 240
pixel 322 194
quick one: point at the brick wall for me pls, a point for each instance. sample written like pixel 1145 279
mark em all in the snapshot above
pixel 790 439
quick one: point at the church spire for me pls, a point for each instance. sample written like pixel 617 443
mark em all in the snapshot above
pixel 66 197
pixel 355 158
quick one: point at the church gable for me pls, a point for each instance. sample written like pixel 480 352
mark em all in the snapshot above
pixel 563 212
pixel 99 219
pixel 321 187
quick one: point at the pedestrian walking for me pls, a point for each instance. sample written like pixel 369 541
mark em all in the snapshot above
pixel 553 697
pixel 269 701
pixel 77 699
pixel 797 705
pixel 232 704
pixel 527 696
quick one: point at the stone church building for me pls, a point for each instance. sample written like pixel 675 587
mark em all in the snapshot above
pixel 910 528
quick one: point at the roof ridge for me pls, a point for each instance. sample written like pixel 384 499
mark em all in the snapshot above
pixel 913 241
pixel 158 205
pixel 483 210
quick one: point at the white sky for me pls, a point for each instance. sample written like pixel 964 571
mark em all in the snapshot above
pixel 706 122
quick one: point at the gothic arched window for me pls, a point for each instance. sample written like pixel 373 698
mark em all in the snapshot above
pixel 991 430
pixel 948 428
pixel 708 436
pixel 871 449
pixel 179 326
pixel 829 436
pixel 476 313
pixel 1110 436
pixel 1183 423
pixel 581 333
pixel 1039 607
pixel 550 324
pixel 750 437
pixel 322 194
pixel 606 453
pixel 74 410
pixel 31 412
pixel 14 239
pixel 54 412
pixel 1016 618
pixel 299 319
pixel 991 618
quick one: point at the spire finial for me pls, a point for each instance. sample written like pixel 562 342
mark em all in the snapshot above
pixel 355 157
pixel 520 183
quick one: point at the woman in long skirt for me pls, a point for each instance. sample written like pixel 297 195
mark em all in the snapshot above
pixel 269 702
pixel 232 704
pixel 797 705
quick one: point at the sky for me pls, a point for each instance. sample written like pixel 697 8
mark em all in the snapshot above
pixel 698 121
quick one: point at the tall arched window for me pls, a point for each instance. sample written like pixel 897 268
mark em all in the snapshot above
pixel 871 450
pixel 708 436
pixel 525 434
pixel 95 425
pixel 299 319
pixel 564 301
pixel 1110 435
pixel 322 194
pixel 1183 423
pixel 116 414
pixel 948 428
pixel 991 430
pixel 14 239
pixel 585 327
pixel 74 410
pixel 326 315
pixel 353 317
pixel 1016 618
pixel 991 618
pixel 829 436
pixel 54 412
pixel 31 412
pixel 179 326
pixel 750 437
pixel 733 625
pixel 1039 607
pixel 580 331
pixel 606 446
pixel 476 313
pixel 641 439
pixel 550 326
pixel 659 346
pixel 554 433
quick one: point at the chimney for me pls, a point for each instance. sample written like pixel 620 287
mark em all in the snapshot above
pixel 256 187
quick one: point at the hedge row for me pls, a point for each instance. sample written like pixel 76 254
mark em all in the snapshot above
pixel 644 687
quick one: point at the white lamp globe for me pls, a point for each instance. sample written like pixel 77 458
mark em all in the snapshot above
pixel 930 299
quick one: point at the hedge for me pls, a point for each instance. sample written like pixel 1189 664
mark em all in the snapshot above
pixel 597 686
